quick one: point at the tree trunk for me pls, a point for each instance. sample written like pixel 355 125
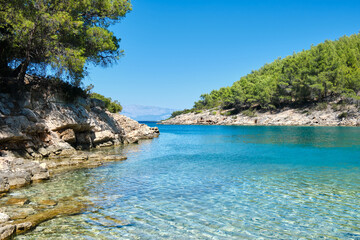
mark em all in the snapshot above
pixel 22 69
pixel 4 69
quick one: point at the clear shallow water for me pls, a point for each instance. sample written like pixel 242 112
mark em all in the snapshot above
pixel 218 182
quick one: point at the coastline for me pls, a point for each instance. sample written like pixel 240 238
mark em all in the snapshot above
pixel 331 115
pixel 42 134
pixel 16 215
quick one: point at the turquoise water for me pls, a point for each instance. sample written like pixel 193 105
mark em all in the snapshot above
pixel 218 182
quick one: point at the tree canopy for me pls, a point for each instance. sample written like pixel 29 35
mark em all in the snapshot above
pixel 58 37
pixel 328 70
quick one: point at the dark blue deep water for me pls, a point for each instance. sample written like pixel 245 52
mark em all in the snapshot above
pixel 218 182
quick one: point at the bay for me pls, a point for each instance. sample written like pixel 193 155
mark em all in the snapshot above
pixel 217 182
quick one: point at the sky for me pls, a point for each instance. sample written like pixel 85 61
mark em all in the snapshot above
pixel 176 50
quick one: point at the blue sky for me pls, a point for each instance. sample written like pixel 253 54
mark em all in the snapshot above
pixel 175 50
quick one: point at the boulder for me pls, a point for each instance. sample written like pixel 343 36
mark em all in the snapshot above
pixel 103 136
pixel 68 135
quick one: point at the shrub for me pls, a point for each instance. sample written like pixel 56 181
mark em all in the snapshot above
pixel 338 106
pixel 343 115
pixel 112 106
pixel 177 113
pixel 228 113
pixel 249 113
pixel 321 106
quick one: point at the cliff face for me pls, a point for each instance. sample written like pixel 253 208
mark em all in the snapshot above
pixel 330 115
pixel 39 122
pixel 40 130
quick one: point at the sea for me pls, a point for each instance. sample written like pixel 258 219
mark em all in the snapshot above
pixel 216 182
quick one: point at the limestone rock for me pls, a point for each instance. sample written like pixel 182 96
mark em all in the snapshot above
pixel 23 227
pixel 6 232
pixel 18 201
pixel 68 135
pixel 48 202
pixel 41 123
pixel 4 217
pixel 114 158
pixel 40 176
pixel 4 183
pixel 103 136
pixel 45 124
pixel 29 114
pixel 19 179
pixel 20 212
pixel 283 117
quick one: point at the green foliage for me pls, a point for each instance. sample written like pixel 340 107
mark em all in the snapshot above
pixel 343 115
pixel 330 69
pixel 338 106
pixel 321 106
pixel 198 111
pixel 58 37
pixel 112 106
pixel 177 113
pixel 249 112
pixel 213 113
pixel 227 113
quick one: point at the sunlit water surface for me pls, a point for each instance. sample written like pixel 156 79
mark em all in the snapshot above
pixel 217 182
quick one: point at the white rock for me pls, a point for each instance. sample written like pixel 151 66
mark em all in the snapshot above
pixel 4 217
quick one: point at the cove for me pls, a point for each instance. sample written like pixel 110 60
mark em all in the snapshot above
pixel 216 182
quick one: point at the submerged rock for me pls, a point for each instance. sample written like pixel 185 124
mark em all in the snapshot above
pixel 48 202
pixel 114 158
pixel 20 172
pixel 64 209
pixel 18 201
pixel 16 213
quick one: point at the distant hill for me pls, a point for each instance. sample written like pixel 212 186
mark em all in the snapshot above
pixel 146 113
pixel 328 71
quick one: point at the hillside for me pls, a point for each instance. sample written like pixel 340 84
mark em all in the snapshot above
pixel 326 72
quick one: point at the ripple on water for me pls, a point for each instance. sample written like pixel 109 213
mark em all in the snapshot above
pixel 201 182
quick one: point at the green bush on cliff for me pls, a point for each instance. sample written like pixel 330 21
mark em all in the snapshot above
pixel 112 106
pixel 328 70
pixel 177 113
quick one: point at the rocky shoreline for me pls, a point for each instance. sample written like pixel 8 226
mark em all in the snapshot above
pixel 17 216
pixel 323 115
pixel 42 134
